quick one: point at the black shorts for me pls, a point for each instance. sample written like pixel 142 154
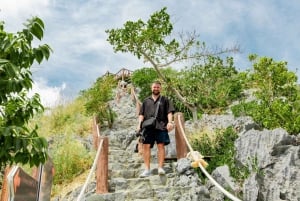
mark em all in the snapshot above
pixel 158 136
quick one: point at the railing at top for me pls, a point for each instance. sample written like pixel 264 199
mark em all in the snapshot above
pixel 123 73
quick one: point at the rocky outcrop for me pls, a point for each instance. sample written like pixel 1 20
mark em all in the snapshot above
pixel 273 157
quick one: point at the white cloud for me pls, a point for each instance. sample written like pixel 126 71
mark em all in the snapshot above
pixel 50 96
pixel 16 12
pixel 75 30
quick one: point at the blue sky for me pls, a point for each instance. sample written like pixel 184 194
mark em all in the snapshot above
pixel 75 29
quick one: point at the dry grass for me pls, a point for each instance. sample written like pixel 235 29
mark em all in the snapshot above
pixel 201 132
pixel 61 190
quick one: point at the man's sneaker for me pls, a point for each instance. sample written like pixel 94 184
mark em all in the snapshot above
pixel 161 171
pixel 146 173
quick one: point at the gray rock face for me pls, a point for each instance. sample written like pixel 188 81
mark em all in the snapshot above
pixel 273 158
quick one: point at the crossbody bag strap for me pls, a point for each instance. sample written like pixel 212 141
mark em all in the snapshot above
pixel 156 111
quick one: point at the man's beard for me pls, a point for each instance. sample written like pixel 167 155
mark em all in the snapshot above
pixel 155 93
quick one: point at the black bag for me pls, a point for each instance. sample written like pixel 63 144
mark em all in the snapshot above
pixel 151 122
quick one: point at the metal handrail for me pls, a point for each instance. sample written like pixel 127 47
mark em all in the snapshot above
pixel 228 194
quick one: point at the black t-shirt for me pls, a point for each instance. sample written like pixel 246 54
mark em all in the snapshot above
pixel 148 109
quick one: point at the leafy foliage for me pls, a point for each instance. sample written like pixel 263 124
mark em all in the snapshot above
pixel 142 79
pixel 142 38
pixel 277 102
pixel 150 41
pixel 211 85
pixel 220 148
pixel 97 98
pixel 18 143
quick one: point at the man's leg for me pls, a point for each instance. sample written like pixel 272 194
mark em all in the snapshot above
pixel 146 155
pixel 161 158
pixel 161 154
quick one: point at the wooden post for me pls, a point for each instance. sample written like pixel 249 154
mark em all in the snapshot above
pixel 45 180
pixel 4 193
pixel 102 169
pixel 181 146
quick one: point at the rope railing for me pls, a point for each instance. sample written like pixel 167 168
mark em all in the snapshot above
pixel 135 96
pixel 228 194
pixel 136 100
pixel 91 171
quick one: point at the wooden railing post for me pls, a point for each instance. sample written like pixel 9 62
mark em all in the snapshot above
pixel 102 168
pixel 4 193
pixel 181 146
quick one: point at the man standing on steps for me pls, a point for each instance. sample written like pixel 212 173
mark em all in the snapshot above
pixel 159 134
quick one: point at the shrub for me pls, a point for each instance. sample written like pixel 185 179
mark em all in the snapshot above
pixel 70 158
pixel 97 98
pixel 219 148
pixel 277 100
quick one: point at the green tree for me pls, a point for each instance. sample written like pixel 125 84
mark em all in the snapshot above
pixel 97 98
pixel 142 78
pixel 149 41
pixel 214 84
pixel 19 143
pixel 277 102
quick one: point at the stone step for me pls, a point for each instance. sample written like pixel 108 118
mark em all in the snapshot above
pixel 115 165
pixel 117 152
pixel 133 158
pixel 134 169
pixel 123 184
pixel 126 173
pixel 154 193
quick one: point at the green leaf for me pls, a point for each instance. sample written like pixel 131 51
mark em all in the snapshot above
pixel 37 31
pixel 38 55
pixel 46 50
pixel 3 61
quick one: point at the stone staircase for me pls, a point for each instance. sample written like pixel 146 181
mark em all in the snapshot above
pixel 125 166
pixel 124 183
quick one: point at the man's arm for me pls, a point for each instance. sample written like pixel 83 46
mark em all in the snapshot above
pixel 170 117
pixel 170 124
pixel 140 120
